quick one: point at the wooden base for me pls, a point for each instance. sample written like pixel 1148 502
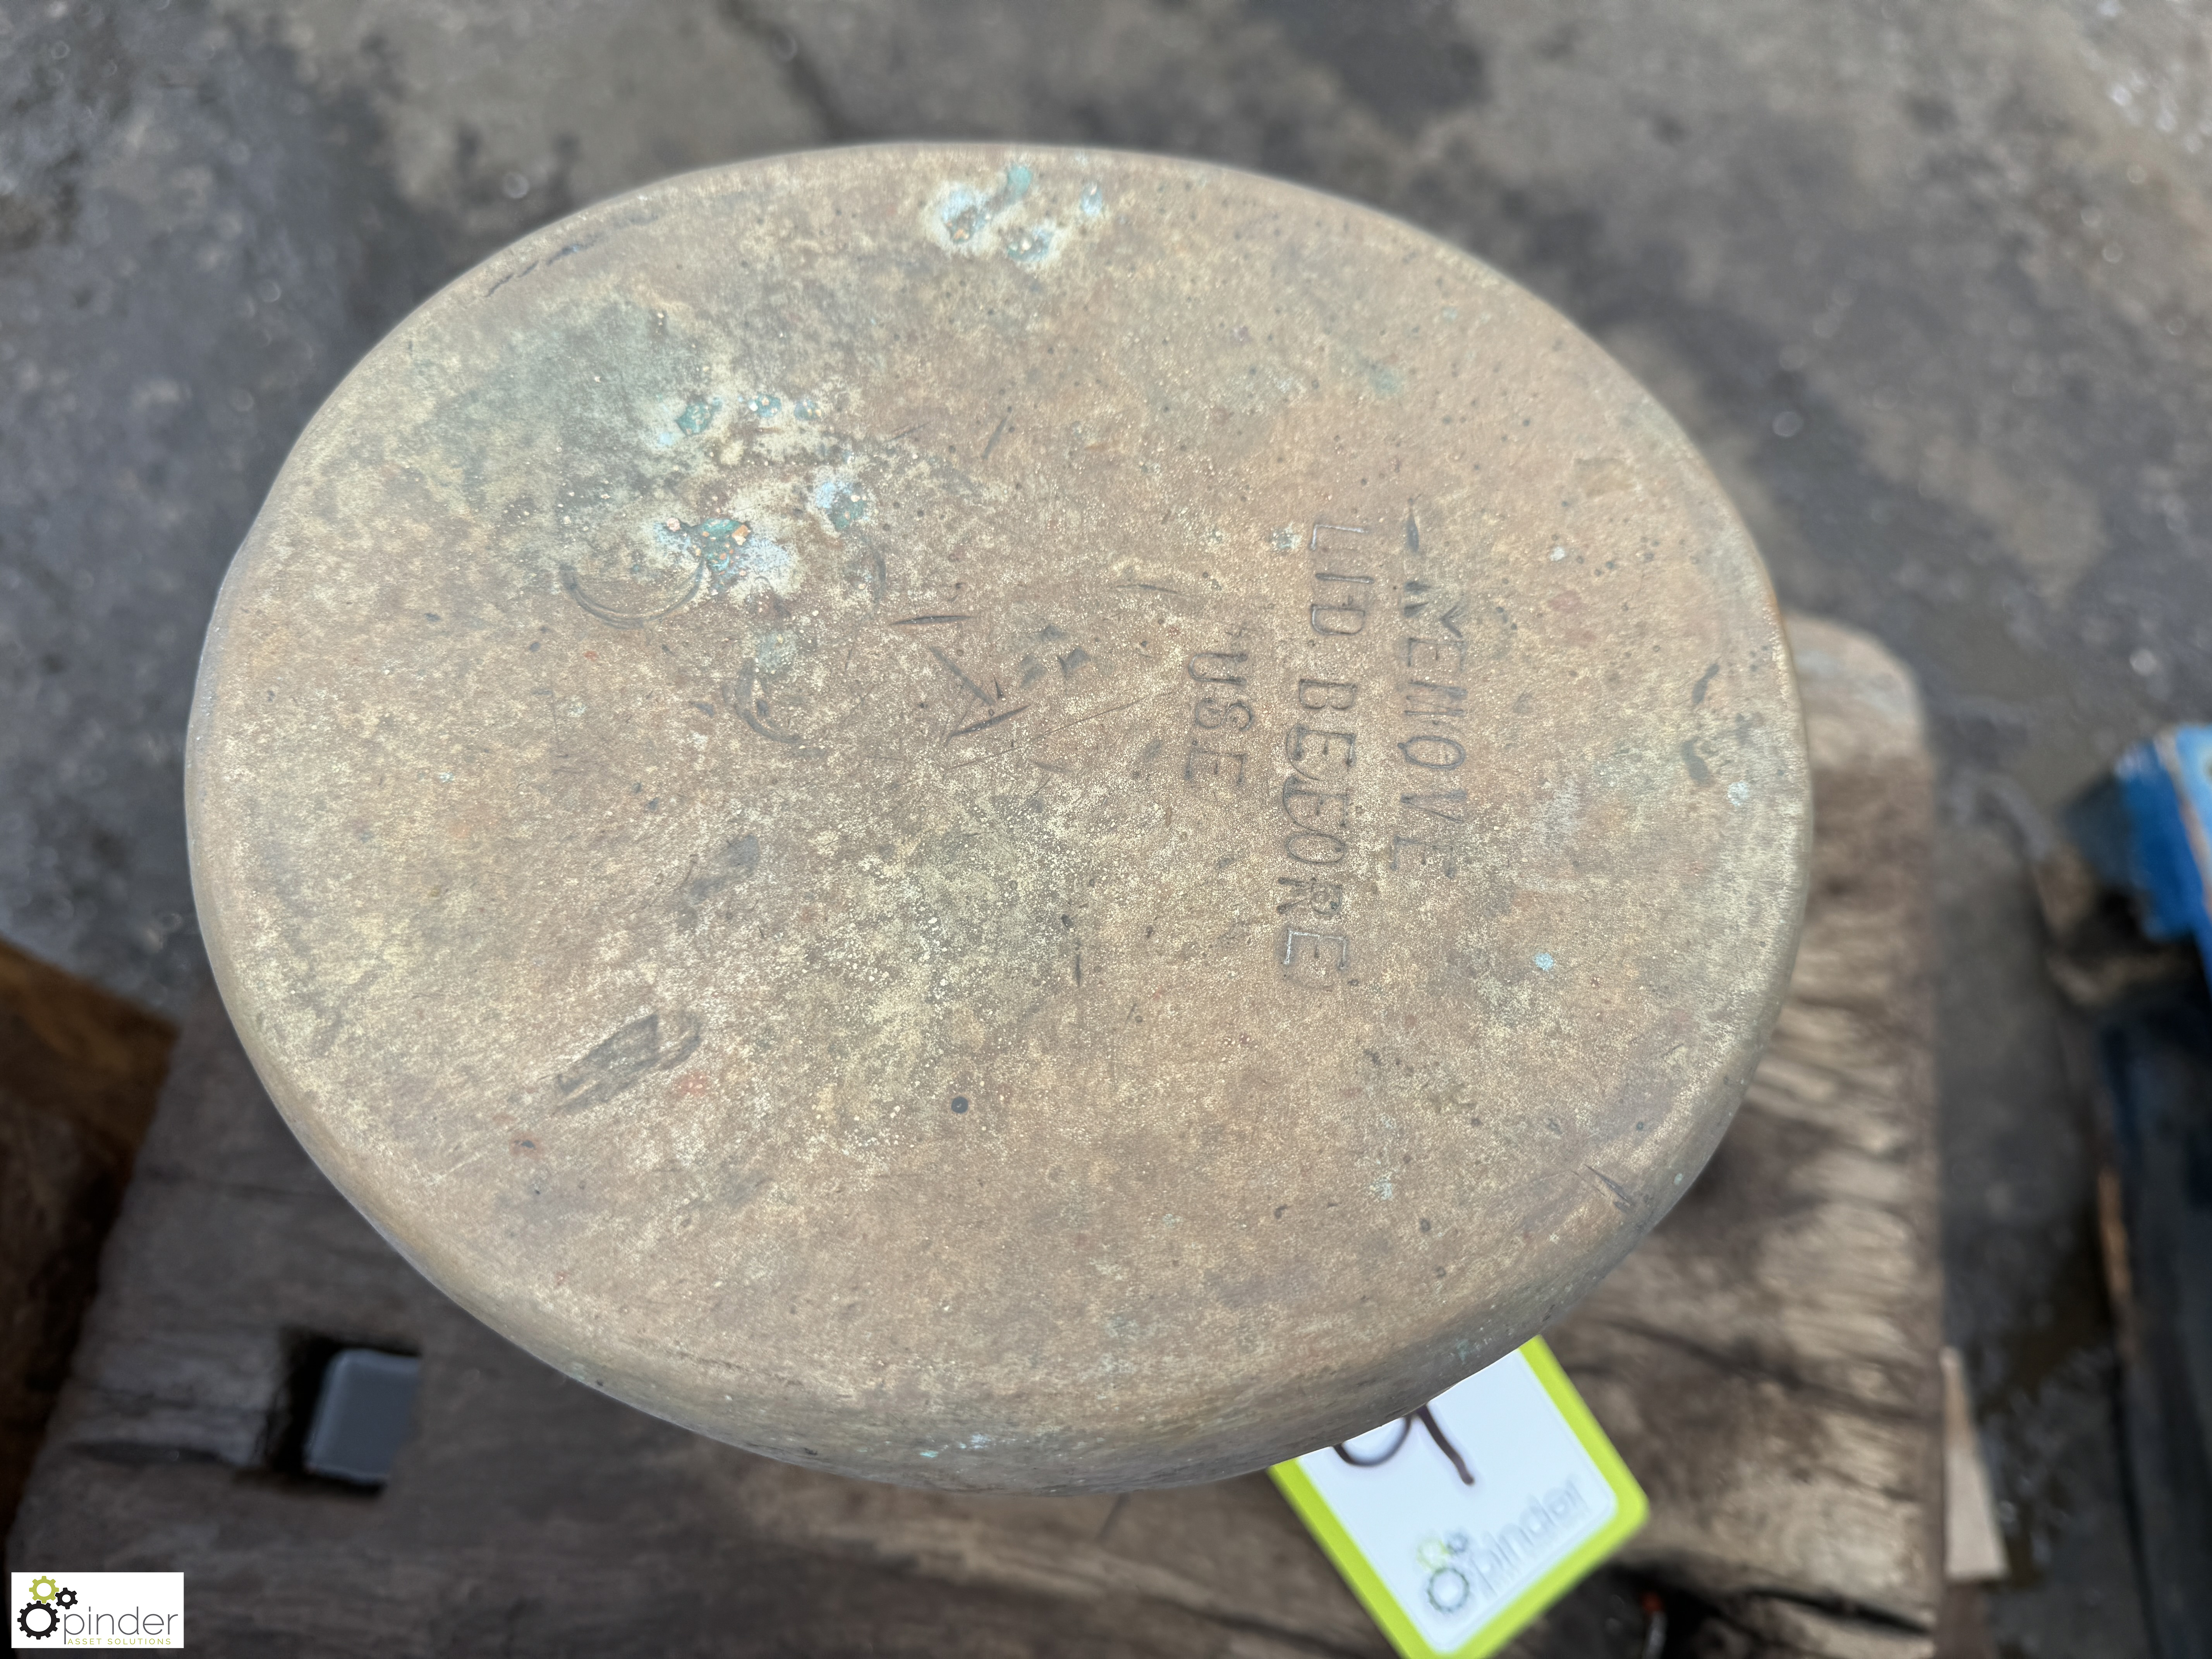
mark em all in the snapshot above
pixel 79 1073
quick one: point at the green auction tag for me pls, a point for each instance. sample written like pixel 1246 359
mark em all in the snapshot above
pixel 1460 1522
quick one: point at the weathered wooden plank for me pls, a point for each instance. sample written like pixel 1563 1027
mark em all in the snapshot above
pixel 79 1071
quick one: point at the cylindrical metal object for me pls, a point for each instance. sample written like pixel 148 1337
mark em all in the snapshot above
pixel 1000 817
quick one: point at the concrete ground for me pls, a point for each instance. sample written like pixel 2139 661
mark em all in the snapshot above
pixel 1925 282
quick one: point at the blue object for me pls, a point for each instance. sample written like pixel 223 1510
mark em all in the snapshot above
pixel 2145 830
pixel 2166 786
pixel 361 1416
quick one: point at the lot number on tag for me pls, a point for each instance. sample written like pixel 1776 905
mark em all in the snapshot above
pixel 1459 1523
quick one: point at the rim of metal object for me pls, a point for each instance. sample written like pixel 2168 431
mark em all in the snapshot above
pixel 999 817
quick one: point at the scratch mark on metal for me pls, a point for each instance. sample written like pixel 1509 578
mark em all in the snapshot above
pixel 1623 1199
pixel 986 725
pixel 753 710
pixel 574 589
pixel 509 277
pixel 1049 731
pixel 980 695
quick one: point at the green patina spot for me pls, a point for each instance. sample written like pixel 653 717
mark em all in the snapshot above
pixel 698 417
pixel 718 541
pixel 841 503
pixel 965 213
pixel 727 547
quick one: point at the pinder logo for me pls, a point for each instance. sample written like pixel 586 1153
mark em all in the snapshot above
pixel 98 1609
pixel 42 1614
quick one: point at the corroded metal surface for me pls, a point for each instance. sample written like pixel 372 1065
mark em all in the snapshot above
pixel 1000 817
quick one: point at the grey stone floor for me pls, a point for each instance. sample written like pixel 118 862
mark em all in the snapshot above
pixel 1926 281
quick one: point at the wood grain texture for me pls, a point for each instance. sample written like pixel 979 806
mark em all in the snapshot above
pixel 79 1071
pixel 1766 1361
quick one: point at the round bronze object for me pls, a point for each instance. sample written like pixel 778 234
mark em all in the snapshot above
pixel 997 817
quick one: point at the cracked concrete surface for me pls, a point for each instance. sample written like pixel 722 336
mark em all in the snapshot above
pixel 1924 281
